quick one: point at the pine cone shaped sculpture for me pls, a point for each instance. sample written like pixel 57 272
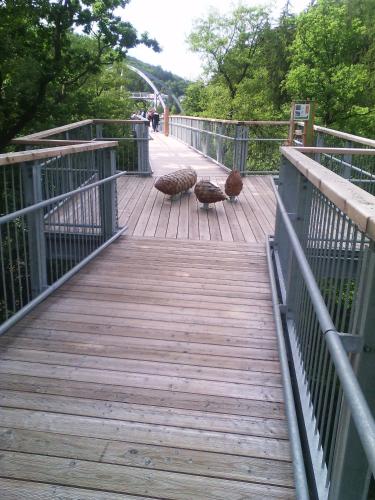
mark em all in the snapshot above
pixel 233 184
pixel 208 192
pixel 176 182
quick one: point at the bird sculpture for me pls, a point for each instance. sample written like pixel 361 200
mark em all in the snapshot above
pixel 208 192
pixel 176 182
pixel 233 185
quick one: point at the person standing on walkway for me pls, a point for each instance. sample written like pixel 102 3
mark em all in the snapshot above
pixel 155 121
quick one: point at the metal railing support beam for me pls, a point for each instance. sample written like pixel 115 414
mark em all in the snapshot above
pixel 241 144
pixel 360 411
pixel 302 490
pixel 351 472
pixel 141 130
pixel 32 189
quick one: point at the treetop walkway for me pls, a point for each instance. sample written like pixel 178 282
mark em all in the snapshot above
pixel 154 349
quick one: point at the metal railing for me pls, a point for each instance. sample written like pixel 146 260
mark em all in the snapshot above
pixel 58 209
pixel 131 136
pixel 357 165
pixel 249 146
pixel 323 256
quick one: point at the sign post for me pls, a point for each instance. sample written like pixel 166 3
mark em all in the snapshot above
pixel 302 111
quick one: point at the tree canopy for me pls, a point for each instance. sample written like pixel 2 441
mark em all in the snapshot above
pixel 50 48
pixel 255 66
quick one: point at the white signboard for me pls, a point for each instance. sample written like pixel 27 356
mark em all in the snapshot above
pixel 301 111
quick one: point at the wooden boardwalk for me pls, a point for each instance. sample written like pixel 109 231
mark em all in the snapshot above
pixel 147 212
pixel 153 373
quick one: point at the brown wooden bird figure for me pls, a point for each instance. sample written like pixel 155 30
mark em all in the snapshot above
pixel 233 185
pixel 208 192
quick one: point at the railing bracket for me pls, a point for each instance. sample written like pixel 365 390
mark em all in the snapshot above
pixel 351 343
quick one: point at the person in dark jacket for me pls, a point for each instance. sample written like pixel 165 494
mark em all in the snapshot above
pixel 155 121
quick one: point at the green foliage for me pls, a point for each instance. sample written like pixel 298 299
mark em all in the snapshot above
pixel 326 62
pixel 229 46
pixel 254 70
pixel 39 53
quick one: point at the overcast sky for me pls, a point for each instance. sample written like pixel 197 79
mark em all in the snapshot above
pixel 170 21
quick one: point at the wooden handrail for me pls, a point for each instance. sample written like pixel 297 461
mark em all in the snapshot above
pixel 57 130
pixel 37 154
pixel 337 151
pixel 345 135
pixel 235 122
pixel 357 204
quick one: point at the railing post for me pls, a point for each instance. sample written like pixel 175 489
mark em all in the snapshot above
pixel 143 149
pixel 319 144
pixel 347 169
pixel 166 122
pixel 351 475
pixel 108 193
pixel 295 192
pixel 241 145
pixel 219 143
pixel 99 131
pixel 32 189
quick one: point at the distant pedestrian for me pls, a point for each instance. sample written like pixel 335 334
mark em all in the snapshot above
pixel 155 121
pixel 150 115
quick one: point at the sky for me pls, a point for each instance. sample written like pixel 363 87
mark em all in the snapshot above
pixel 170 21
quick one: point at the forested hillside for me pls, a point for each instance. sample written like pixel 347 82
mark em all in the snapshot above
pixel 254 66
pixel 164 80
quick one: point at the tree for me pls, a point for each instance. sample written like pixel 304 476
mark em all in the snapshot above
pixel 327 61
pixel 40 54
pixel 230 46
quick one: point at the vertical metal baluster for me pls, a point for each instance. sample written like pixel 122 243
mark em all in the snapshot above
pixel 321 275
pixel 5 291
pixel 18 258
pixel 340 402
pixel 348 224
pixel 323 401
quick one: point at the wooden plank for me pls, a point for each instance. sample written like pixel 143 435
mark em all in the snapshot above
pixel 139 205
pixel 146 212
pixel 12 489
pixel 193 218
pixel 225 230
pixel 132 204
pixel 161 229
pixel 118 430
pixel 215 233
pixel 258 328
pixel 139 293
pixel 198 272
pixel 172 228
pixel 246 227
pixel 266 427
pixel 146 361
pixel 96 345
pixel 143 396
pixel 204 228
pixel 258 207
pixel 55 329
pixel 211 287
pixel 149 313
pixel 158 303
pixel 131 480
pixel 70 367
pixel 233 222
pixel 183 221
pixel 148 456
pixel 155 214
pixel 257 363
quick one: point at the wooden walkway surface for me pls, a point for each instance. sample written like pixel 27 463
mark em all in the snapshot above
pixel 147 212
pixel 153 373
